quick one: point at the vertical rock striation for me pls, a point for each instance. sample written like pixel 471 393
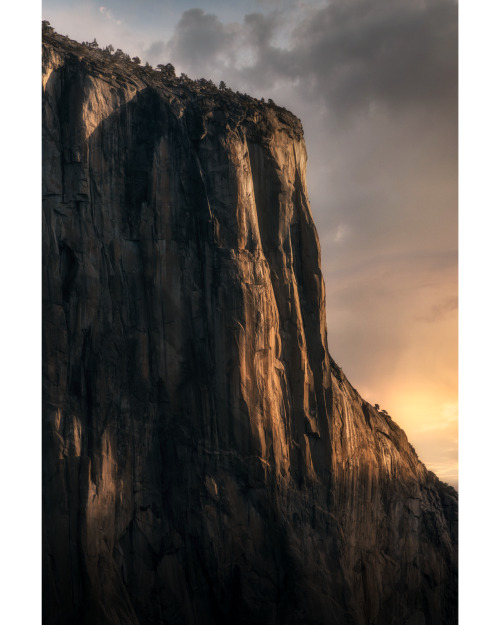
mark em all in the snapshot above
pixel 205 461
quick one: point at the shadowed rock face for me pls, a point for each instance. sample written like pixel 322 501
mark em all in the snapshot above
pixel 205 461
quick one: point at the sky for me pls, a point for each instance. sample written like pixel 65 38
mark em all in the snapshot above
pixel 375 85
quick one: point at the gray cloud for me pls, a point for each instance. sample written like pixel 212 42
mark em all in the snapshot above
pixel 387 51
pixel 202 40
pixel 350 55
pixel 440 310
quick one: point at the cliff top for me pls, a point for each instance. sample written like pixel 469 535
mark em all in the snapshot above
pixel 109 64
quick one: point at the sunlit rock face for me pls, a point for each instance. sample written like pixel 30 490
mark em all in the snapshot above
pixel 205 461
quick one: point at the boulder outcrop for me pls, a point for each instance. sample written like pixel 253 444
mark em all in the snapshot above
pixel 205 460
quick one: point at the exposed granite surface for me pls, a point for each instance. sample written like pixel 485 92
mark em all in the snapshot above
pixel 205 460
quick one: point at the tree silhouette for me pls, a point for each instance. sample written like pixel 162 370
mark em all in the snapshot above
pixel 168 70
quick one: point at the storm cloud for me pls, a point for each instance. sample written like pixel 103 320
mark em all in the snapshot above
pixel 349 55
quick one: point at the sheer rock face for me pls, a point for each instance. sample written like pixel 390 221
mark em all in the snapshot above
pixel 205 460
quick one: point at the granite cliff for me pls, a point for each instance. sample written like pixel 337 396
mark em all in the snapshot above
pixel 205 460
